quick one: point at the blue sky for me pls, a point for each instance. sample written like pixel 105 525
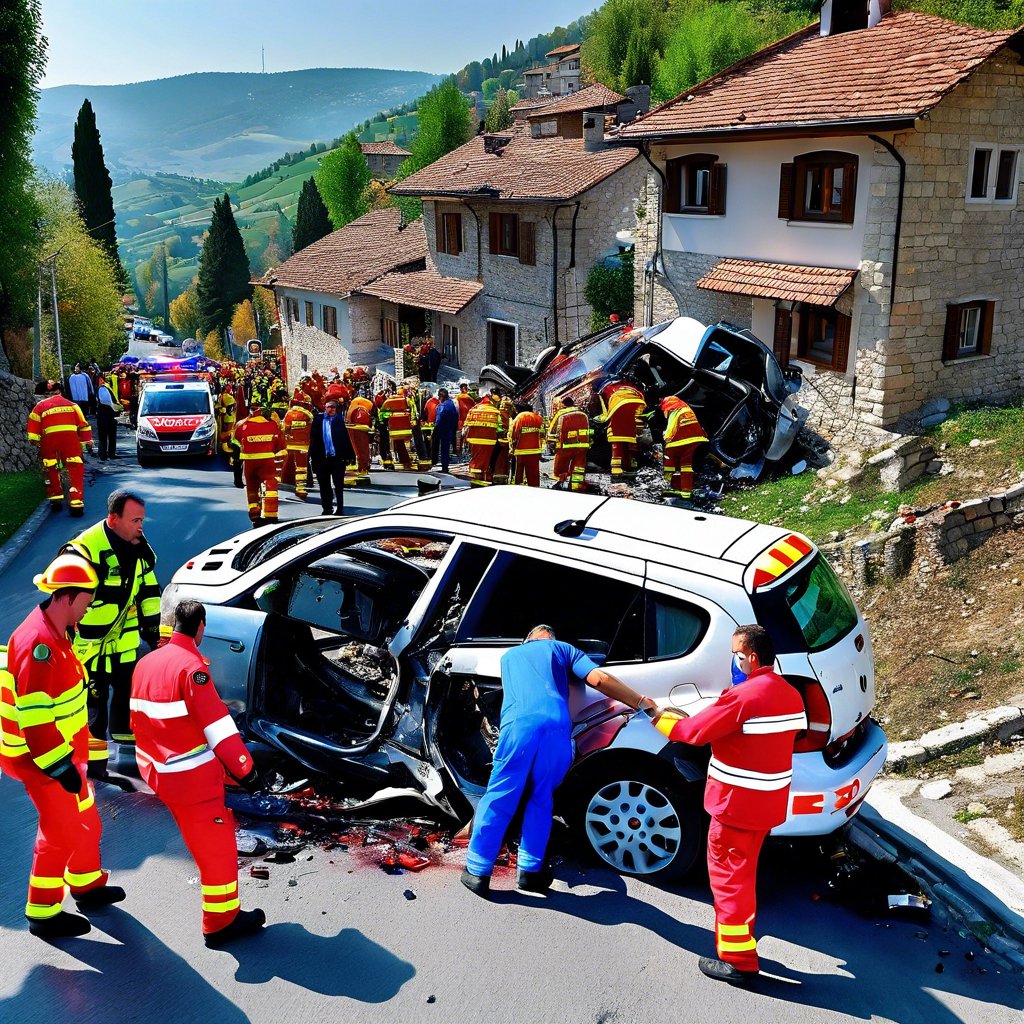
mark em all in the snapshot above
pixel 107 42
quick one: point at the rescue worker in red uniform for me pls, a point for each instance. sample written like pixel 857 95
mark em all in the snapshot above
pixel 260 443
pixel 569 432
pixel 427 426
pixel 297 422
pixel 526 442
pixel 682 435
pixel 44 744
pixel 399 415
pixel 186 740
pixel 357 422
pixel 500 459
pixel 751 729
pixel 483 422
pixel 464 401
pixel 622 406
pixel 56 425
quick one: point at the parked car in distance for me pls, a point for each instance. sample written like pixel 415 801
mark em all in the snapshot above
pixel 175 418
pixel 165 340
pixel 743 398
pixel 369 650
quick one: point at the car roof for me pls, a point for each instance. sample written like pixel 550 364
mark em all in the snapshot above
pixel 681 338
pixel 659 533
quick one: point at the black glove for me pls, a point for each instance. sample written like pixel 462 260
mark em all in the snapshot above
pixel 67 775
pixel 253 782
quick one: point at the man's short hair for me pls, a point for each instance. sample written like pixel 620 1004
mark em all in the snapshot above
pixel 68 592
pixel 442 391
pixel 117 501
pixel 532 635
pixel 757 641
pixel 188 616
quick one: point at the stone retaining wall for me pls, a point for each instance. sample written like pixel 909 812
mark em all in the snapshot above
pixel 903 462
pixel 17 396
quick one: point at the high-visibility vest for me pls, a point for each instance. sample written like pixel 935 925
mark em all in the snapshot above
pixel 120 612
pixel 258 438
pixel 483 423
pixel 683 427
pixel 297 422
pixel 398 415
pixel 54 421
pixel 570 428
pixel 42 696
pixel 624 406
pixel 359 414
pixel 526 434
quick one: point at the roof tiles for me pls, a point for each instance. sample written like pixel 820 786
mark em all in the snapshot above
pixel 594 97
pixel 425 289
pixel 897 70
pixel 383 149
pixel 820 286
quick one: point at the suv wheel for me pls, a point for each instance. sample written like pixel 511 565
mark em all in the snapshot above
pixel 641 824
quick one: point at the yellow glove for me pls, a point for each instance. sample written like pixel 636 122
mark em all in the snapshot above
pixel 665 722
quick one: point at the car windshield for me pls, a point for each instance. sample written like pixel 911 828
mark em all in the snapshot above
pixel 175 403
pixel 266 547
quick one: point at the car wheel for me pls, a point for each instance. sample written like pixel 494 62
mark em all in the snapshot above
pixel 144 460
pixel 640 823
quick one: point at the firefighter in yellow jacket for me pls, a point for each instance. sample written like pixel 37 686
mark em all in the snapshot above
pixel 682 435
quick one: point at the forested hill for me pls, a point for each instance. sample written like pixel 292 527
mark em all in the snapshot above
pixel 219 125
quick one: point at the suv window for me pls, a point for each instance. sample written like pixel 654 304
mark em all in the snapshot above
pixel 589 611
pixel 675 627
pixel 821 605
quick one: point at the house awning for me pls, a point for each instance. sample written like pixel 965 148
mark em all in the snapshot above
pixel 819 286
pixel 424 289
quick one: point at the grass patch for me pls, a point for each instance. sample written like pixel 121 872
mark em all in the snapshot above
pixel 1009 812
pixel 20 495
pixel 965 817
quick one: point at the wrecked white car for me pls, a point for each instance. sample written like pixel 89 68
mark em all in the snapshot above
pixel 368 649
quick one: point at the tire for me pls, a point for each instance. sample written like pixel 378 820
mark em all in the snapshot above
pixel 640 822
pixel 144 460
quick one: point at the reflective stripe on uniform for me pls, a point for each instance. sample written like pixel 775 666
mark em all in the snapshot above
pixel 219 730
pixel 183 763
pixel 159 709
pixel 775 723
pixel 746 778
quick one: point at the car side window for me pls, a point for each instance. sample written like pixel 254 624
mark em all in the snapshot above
pixel 595 613
pixel 675 628
pixel 337 606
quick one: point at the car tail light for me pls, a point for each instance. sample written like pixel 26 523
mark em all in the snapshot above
pixel 819 715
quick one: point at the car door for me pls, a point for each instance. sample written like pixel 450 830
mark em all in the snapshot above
pixel 230 644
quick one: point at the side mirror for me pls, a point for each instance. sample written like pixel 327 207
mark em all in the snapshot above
pixel 268 596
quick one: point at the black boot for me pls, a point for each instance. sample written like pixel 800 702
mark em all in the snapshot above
pixel 245 923
pixel 721 971
pixel 536 882
pixel 62 926
pixel 94 899
pixel 480 885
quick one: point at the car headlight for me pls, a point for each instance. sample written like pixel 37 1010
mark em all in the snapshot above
pixel 145 430
pixel 202 431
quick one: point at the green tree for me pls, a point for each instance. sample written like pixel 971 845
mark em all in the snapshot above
pixel 341 179
pixel 490 89
pixel 93 186
pixel 499 117
pixel 22 63
pixel 609 289
pixel 626 37
pixel 88 293
pixel 508 78
pixel 990 14
pixel 223 269
pixel 312 221
pixel 185 312
pixel 265 312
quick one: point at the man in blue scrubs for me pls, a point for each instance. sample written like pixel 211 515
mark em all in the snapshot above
pixel 534 753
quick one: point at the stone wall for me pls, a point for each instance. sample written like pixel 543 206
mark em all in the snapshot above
pixel 904 462
pixel 18 397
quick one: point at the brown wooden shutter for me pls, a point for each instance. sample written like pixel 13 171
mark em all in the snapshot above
pixel 494 232
pixel 787 188
pixel 951 338
pixel 716 197
pixel 673 202
pixel 841 343
pixel 783 335
pixel 985 340
pixel 457 221
pixel 528 243
pixel 849 191
pixel 439 230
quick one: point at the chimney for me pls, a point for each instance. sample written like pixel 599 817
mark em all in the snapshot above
pixel 593 131
pixel 638 101
pixel 494 145
pixel 838 16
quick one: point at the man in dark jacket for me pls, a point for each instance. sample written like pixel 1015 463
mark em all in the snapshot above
pixel 446 428
pixel 329 450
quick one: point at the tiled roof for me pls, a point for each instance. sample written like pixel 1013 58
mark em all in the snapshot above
pixel 820 286
pixel 425 289
pixel 539 71
pixel 594 97
pixel 361 251
pixel 562 51
pixel 527 168
pixel 524 106
pixel 382 149
pixel 890 73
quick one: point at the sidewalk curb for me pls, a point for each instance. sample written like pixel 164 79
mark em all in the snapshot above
pixel 998 723
pixel 967 902
pixel 16 543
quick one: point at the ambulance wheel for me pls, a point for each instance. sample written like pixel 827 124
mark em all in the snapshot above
pixel 640 821
pixel 144 460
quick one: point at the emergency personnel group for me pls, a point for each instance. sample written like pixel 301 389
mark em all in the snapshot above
pixel 71 677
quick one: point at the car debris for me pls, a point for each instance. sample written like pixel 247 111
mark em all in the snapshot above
pixel 258 871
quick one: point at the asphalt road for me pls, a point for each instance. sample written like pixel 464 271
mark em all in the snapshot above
pixel 344 943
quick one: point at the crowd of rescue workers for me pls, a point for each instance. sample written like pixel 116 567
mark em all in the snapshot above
pixel 79 701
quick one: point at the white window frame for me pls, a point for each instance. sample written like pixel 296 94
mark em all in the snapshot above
pixel 969 330
pixel 450 337
pixel 989 199
pixel 503 323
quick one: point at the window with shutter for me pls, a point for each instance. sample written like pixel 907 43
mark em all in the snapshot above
pixel 823 337
pixel 439 239
pixel 528 243
pixel 716 198
pixel 782 336
pixel 968 329
pixel 787 179
pixel 503 229
pixel 820 187
pixel 673 198
pixel 493 233
pixel 449 233
pixel 695 185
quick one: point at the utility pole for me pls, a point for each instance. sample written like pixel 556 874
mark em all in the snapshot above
pixel 263 60
pixel 56 315
pixel 37 333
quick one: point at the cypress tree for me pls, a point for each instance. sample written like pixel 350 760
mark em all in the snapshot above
pixel 223 269
pixel 93 187
pixel 312 220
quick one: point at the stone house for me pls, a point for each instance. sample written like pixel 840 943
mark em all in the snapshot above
pixel 850 194
pixel 523 216
pixel 384 158
pixel 558 78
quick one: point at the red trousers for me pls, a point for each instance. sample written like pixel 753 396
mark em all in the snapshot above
pixel 208 829
pixel 360 440
pixel 402 447
pixel 296 461
pixel 732 870
pixel 571 464
pixel 528 470
pixel 480 464
pixel 622 457
pixel 499 474
pixel 261 488
pixel 67 455
pixel 678 467
pixel 67 850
